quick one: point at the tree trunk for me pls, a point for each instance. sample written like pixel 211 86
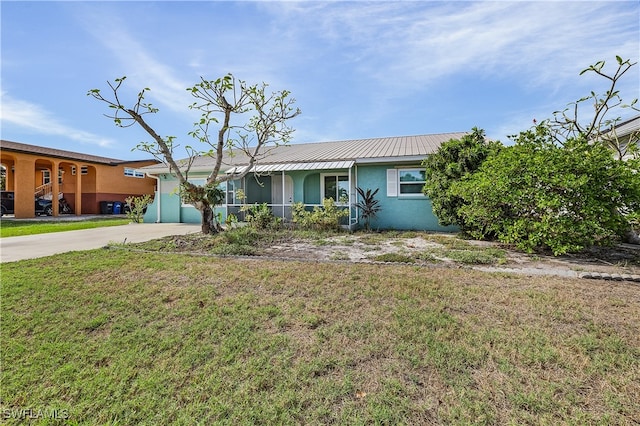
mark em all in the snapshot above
pixel 209 224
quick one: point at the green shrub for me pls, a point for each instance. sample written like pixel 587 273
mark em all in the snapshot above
pixel 240 236
pixel 237 242
pixel 453 161
pixel 136 206
pixel 324 218
pixel 260 216
pixel 540 195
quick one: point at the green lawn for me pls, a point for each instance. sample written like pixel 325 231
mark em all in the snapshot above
pixel 13 228
pixel 120 337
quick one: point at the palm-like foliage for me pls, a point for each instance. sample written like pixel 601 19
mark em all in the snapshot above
pixel 368 205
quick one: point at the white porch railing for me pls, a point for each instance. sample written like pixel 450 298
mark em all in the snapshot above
pixel 44 191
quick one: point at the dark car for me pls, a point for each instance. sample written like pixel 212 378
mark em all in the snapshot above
pixel 42 206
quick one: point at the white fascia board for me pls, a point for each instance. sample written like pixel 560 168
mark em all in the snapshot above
pixel 153 171
pixel 163 170
pixel 386 160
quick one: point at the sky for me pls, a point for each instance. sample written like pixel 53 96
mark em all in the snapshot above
pixel 356 69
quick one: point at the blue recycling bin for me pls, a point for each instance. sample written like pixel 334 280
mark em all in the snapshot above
pixel 117 207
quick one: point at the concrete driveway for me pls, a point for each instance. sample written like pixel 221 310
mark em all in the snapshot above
pixel 33 246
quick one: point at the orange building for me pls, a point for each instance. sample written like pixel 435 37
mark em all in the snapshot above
pixel 83 180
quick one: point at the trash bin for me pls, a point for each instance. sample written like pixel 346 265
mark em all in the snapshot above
pixel 106 207
pixel 117 207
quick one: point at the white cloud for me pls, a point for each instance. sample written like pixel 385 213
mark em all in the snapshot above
pixel 381 53
pixel 408 43
pixel 401 50
pixel 152 64
pixel 34 118
pixel 142 69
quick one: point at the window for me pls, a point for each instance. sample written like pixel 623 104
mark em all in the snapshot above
pixel 84 170
pixel 133 173
pixel 335 186
pixel 46 177
pixel 411 181
pixel 407 182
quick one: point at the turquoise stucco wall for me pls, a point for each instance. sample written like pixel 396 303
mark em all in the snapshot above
pixel 172 209
pixel 408 212
pixel 151 215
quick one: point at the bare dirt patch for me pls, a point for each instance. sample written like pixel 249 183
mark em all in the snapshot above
pixel 419 248
pixel 622 259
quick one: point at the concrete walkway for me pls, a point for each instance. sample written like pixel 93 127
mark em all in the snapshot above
pixel 33 246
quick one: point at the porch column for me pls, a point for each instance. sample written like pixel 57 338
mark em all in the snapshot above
pixel 25 175
pixel 78 200
pixel 226 198
pixel 283 195
pixel 350 202
pixel 9 182
pixel 55 187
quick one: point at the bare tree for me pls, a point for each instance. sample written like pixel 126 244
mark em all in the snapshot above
pixel 217 100
pixel 601 126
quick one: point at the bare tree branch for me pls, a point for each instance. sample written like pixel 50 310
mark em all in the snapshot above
pixel 266 128
pixel 566 124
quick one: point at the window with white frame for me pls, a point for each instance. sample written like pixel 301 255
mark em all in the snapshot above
pixel 84 170
pixel 405 182
pixel 335 186
pixel 133 173
pixel 411 181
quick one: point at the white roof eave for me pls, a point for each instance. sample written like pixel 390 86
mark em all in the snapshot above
pixel 286 167
pixel 405 159
pixel 278 167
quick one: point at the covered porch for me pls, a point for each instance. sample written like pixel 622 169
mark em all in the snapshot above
pixel 30 177
pixel 279 186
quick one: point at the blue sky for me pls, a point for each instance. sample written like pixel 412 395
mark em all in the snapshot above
pixel 357 69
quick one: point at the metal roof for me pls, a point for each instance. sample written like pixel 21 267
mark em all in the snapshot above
pixel 306 156
pixel 285 167
pixel 10 146
pixel 629 126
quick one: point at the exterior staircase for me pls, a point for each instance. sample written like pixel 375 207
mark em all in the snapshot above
pixel 44 191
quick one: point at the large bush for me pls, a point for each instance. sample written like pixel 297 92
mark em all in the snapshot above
pixel 454 160
pixel 563 185
pixel 538 194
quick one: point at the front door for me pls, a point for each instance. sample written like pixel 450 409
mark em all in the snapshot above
pixel 277 190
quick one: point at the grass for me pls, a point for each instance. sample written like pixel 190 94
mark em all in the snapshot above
pixel 14 228
pixel 474 256
pixel 394 257
pixel 115 337
pixel 462 251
